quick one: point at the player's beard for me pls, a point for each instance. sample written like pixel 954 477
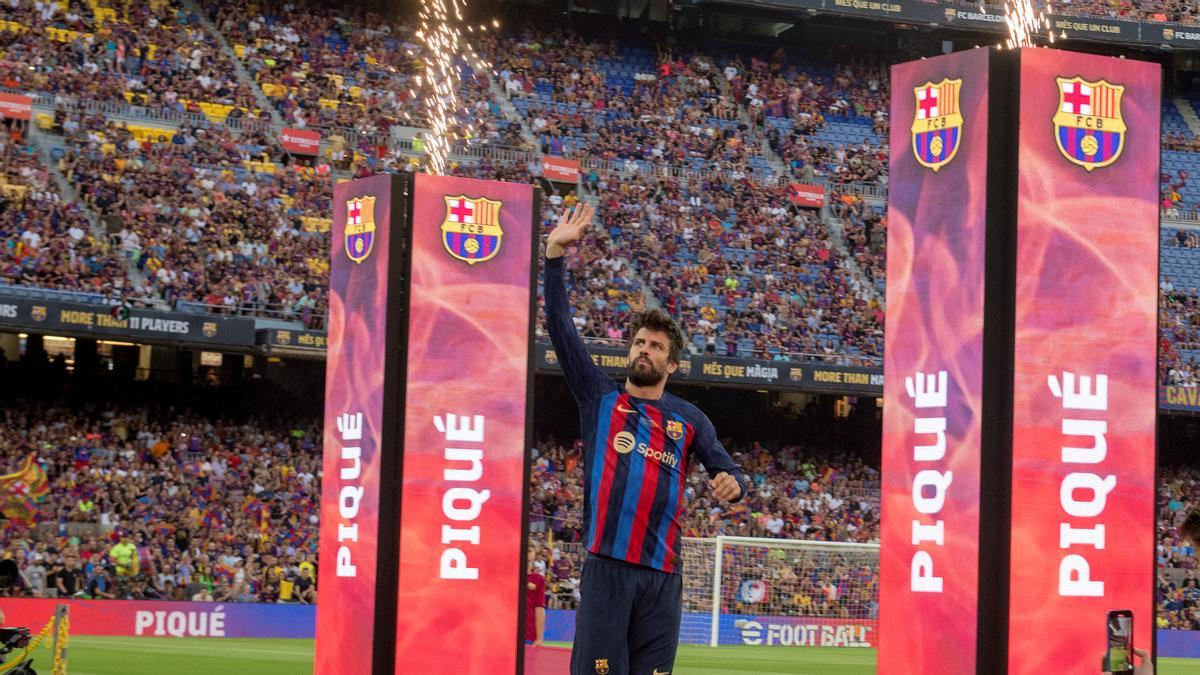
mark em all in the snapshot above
pixel 647 375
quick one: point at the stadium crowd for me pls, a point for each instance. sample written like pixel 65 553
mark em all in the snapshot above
pixel 248 237
pixel 1178 589
pixel 207 216
pixel 47 241
pixel 797 494
pixel 358 73
pixel 151 499
pixel 189 507
pixel 1179 322
pixel 152 502
pixel 155 55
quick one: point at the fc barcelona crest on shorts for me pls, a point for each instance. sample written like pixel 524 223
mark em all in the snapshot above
pixel 1088 126
pixel 602 666
pixel 471 231
pixel 937 126
pixel 360 228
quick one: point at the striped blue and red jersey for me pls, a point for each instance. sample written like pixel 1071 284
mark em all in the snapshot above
pixel 636 451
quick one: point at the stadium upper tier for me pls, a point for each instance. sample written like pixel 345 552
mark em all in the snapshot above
pixel 155 54
pixel 687 151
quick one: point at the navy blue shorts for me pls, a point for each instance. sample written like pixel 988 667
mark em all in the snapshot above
pixel 628 619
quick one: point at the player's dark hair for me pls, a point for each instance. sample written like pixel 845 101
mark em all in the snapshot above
pixel 658 320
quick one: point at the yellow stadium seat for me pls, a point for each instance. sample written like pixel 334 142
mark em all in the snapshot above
pixel 240 50
pixel 45 121
pixel 315 224
pixel 152 134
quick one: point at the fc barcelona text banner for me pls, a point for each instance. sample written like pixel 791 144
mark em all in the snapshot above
pixel 465 428
pixel 977 17
pixel 1085 378
pixel 932 418
pixel 84 320
pixel 819 377
pixel 299 339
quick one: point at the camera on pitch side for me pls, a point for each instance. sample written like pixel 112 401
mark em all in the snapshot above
pixel 13 638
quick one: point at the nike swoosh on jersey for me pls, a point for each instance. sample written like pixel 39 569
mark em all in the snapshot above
pixel 627 411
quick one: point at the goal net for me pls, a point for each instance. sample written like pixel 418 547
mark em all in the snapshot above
pixel 769 592
pixel 779 592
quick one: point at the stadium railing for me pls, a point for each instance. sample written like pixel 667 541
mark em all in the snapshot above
pixel 69 103
pixel 40 293
pixel 277 311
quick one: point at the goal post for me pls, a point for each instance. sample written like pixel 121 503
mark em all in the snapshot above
pixel 743 590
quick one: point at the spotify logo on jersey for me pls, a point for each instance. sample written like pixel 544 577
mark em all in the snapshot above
pixel 624 442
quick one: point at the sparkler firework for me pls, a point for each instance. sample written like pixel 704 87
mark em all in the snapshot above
pixel 438 84
pixel 1024 23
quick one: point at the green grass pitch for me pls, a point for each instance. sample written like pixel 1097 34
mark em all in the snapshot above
pixel 217 656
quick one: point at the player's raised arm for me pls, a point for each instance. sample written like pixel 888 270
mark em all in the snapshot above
pixel 727 481
pixel 585 379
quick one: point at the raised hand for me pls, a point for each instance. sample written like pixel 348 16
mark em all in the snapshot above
pixel 570 229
